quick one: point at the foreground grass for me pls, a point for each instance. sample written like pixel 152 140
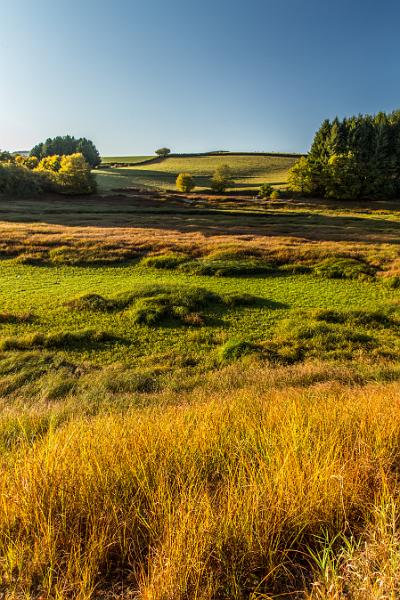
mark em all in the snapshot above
pixel 198 403
pixel 241 493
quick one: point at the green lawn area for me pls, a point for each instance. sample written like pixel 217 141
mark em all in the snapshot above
pixel 249 171
pixel 44 290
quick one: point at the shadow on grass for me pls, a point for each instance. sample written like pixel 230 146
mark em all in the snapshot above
pixel 152 214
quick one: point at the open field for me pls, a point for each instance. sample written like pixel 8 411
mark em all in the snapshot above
pixel 199 400
pixel 124 159
pixel 249 171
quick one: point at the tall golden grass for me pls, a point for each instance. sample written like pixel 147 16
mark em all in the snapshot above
pixel 239 493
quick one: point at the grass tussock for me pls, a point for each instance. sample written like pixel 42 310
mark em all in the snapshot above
pixel 184 305
pixel 160 304
pixel 228 267
pixel 218 264
pixel 165 261
pixel 62 339
pixel 336 335
pixel 252 496
pixel 7 317
pixel 344 268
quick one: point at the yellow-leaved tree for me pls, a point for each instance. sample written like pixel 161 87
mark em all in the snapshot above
pixel 184 182
pixel 50 163
pixel 75 176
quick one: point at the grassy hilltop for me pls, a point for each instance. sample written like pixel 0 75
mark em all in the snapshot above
pixel 249 170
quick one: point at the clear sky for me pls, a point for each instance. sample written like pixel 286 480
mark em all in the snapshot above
pixel 194 75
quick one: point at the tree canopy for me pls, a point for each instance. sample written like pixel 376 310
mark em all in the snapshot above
pixel 67 145
pixel 356 157
pixel 163 152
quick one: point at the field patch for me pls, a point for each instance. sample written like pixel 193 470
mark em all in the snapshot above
pixel 249 171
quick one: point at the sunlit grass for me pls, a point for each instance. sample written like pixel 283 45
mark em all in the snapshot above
pixel 249 171
pixel 198 405
pixel 235 495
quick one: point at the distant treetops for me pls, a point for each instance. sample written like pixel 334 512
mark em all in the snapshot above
pixel 66 145
pixel 357 157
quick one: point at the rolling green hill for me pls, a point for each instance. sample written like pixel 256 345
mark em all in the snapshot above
pixel 249 170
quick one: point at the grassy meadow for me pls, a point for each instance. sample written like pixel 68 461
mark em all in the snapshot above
pixel 249 171
pixel 199 401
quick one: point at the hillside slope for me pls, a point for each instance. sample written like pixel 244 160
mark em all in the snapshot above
pixel 249 170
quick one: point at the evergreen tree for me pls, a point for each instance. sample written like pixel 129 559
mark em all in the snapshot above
pixel 67 145
pixel 355 157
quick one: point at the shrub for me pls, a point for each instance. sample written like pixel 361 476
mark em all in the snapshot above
pixel 74 175
pixel 18 180
pixel 6 156
pixel 31 162
pixel 184 182
pixel 265 190
pixel 50 163
pixel 303 177
pixel 221 179
pixel 275 195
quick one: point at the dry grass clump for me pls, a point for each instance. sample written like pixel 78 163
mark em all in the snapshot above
pixel 248 496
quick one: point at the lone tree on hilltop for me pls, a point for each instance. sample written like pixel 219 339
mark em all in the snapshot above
pixel 163 152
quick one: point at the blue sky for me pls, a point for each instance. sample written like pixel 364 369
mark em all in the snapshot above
pixel 194 75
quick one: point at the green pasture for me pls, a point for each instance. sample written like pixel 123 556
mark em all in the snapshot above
pixel 249 171
pixel 124 159
pixel 44 292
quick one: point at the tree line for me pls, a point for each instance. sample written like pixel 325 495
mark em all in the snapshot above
pixel 356 157
pixel 26 175
pixel 62 164
pixel 66 145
